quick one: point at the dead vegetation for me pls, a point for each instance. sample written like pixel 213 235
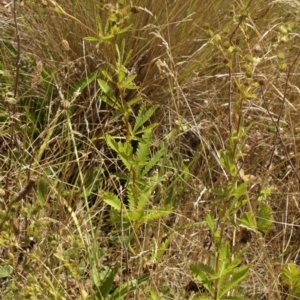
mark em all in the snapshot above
pixel 226 81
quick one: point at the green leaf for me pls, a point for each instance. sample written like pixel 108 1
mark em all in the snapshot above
pixel 235 205
pixel 158 254
pixel 227 161
pixel 238 275
pixel 106 285
pixel 200 269
pixel 290 278
pixel 232 298
pixel 111 143
pixel 143 116
pixel 156 214
pixel 240 190
pixel 204 274
pixel 106 89
pixel 210 223
pixel 138 194
pixel 128 57
pixel 134 101
pixel 106 38
pixel 121 292
pixel 124 151
pixel 153 161
pixel 112 200
pixel 84 82
pixel 128 82
pixel 107 76
pixel 120 56
pixel 143 149
pixel 129 86
pixel 248 221
pixel 295 291
pixel 5 271
pixel 125 29
pixel 146 128
pixel 265 193
pixel 121 76
pixel 143 196
pixel 91 39
pixel 224 258
pixel 264 223
pixel 289 273
pixel 154 295
pixel 42 189
pixel 134 215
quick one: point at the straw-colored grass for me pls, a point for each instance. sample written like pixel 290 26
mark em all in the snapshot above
pixel 225 77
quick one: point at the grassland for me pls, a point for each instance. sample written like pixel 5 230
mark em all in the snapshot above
pixel 149 149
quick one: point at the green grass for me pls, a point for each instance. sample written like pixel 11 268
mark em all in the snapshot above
pixel 149 150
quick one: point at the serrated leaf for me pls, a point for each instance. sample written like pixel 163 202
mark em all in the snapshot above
pixel 107 284
pixel 153 161
pixel 156 214
pixel 99 24
pixel 128 56
pixel 290 278
pixel 200 269
pixel 111 142
pixel 138 194
pixel 238 274
pixel 119 56
pixel 42 189
pixel 154 295
pixel 134 101
pixel 145 129
pixel 106 75
pixel 128 81
pixel 240 190
pixel 129 86
pixel 112 200
pixel 234 206
pixel 124 151
pixel 295 291
pixel 121 292
pixel 106 89
pixel 121 77
pixel 204 274
pixel 265 193
pixel 264 223
pixel 210 223
pixel 106 37
pixel 157 255
pixel 248 221
pixel 232 298
pixel 134 215
pixel 5 271
pixel 123 30
pixel 91 39
pixel 143 116
pixel 131 197
pixel 144 195
pixel 84 82
pixel 227 162
pixel 143 148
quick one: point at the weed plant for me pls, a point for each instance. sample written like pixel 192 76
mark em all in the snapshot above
pixel 149 149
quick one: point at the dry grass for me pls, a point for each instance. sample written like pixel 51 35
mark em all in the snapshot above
pixel 57 233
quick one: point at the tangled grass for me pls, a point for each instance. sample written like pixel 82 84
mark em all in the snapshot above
pixel 140 137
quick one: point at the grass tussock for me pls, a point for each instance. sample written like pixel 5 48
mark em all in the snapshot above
pixel 149 149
